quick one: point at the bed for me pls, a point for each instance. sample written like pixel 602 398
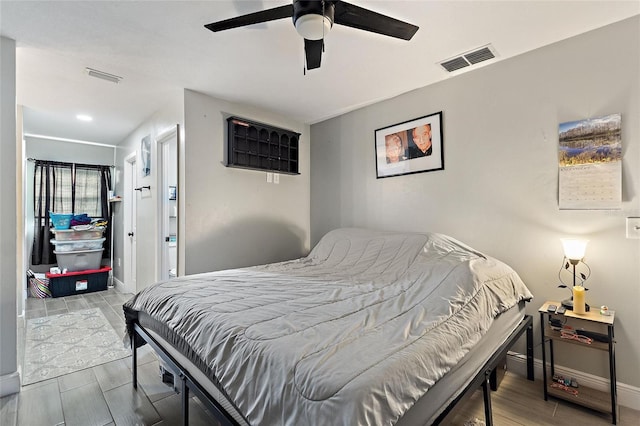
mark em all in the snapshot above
pixel 371 327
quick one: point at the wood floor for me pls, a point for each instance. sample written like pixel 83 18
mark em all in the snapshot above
pixel 520 402
pixel 103 395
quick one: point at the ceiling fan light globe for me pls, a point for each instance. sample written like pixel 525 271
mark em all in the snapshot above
pixel 313 27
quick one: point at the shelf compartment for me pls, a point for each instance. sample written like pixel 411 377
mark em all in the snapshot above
pixel 587 397
pixel 259 146
pixel 555 335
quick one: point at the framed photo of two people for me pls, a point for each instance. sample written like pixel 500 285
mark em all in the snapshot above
pixel 414 146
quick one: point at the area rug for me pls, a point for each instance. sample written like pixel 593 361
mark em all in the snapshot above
pixel 474 422
pixel 65 343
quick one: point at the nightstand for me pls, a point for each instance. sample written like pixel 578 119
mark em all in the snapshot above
pixel 592 398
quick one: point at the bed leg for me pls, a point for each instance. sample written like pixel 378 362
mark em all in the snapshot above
pixel 486 392
pixel 134 361
pixel 530 352
pixel 493 381
pixel 185 400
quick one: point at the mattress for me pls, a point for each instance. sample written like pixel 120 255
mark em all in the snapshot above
pixel 427 409
pixel 357 332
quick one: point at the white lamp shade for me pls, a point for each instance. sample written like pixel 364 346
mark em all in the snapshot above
pixel 312 26
pixel 574 248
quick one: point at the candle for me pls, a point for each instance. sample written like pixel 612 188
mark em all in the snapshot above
pixel 578 300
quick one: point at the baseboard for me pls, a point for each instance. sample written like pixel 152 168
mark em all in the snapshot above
pixel 9 384
pixel 119 285
pixel 628 396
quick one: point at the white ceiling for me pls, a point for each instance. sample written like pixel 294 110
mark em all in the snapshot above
pixel 161 47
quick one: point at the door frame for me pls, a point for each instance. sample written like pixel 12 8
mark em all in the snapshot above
pixel 163 141
pixel 129 207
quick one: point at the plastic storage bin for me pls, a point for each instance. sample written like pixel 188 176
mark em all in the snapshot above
pixel 71 234
pixel 78 260
pixel 78 282
pixel 60 220
pixel 77 245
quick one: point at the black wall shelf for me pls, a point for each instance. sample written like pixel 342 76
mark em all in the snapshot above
pixel 258 146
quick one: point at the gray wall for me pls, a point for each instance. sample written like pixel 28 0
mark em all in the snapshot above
pixel 147 235
pixel 42 148
pixel 233 217
pixel 499 189
pixel 227 217
pixel 9 377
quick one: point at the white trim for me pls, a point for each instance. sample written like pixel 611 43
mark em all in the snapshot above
pixel 23 261
pixel 9 384
pixel 54 138
pixel 119 285
pixel 167 133
pixel 163 143
pixel 129 199
pixel 628 396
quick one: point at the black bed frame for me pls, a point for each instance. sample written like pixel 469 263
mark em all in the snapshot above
pixel 486 376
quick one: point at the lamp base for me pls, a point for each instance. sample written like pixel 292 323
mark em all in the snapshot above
pixel 568 304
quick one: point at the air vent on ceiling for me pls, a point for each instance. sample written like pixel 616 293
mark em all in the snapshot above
pixel 470 58
pixel 454 64
pixel 103 75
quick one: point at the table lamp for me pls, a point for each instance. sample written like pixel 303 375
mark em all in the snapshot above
pixel 574 250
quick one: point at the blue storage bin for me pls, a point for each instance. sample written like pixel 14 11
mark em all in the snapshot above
pixel 61 220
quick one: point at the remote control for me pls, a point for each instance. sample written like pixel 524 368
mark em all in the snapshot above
pixel 561 310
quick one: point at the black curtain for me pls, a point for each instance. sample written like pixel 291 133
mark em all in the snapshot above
pixel 105 187
pixel 55 187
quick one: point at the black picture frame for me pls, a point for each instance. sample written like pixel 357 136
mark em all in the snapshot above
pixel 413 146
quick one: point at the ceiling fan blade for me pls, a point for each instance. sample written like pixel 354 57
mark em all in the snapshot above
pixel 364 19
pixel 313 52
pixel 285 11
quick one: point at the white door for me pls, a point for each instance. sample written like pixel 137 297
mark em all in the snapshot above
pixel 130 202
pixel 167 144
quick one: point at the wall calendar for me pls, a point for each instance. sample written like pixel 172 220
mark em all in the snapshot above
pixel 590 164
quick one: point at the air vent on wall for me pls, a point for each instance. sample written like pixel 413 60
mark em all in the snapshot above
pixel 470 58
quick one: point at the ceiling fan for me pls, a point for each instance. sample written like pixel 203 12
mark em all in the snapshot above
pixel 314 19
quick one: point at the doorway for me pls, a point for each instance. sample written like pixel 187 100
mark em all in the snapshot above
pixel 167 148
pixel 130 211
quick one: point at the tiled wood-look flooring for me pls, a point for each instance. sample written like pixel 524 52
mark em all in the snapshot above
pixel 520 402
pixel 103 395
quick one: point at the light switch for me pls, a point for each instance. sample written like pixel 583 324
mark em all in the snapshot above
pixel 276 178
pixel 269 177
pixel 633 227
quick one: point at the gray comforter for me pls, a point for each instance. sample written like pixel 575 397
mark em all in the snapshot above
pixel 353 334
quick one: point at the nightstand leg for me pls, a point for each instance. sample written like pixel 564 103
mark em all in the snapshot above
pixel 551 360
pixel 612 376
pixel 544 357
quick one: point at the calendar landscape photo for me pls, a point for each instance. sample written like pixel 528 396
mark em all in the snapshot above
pixel 590 163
